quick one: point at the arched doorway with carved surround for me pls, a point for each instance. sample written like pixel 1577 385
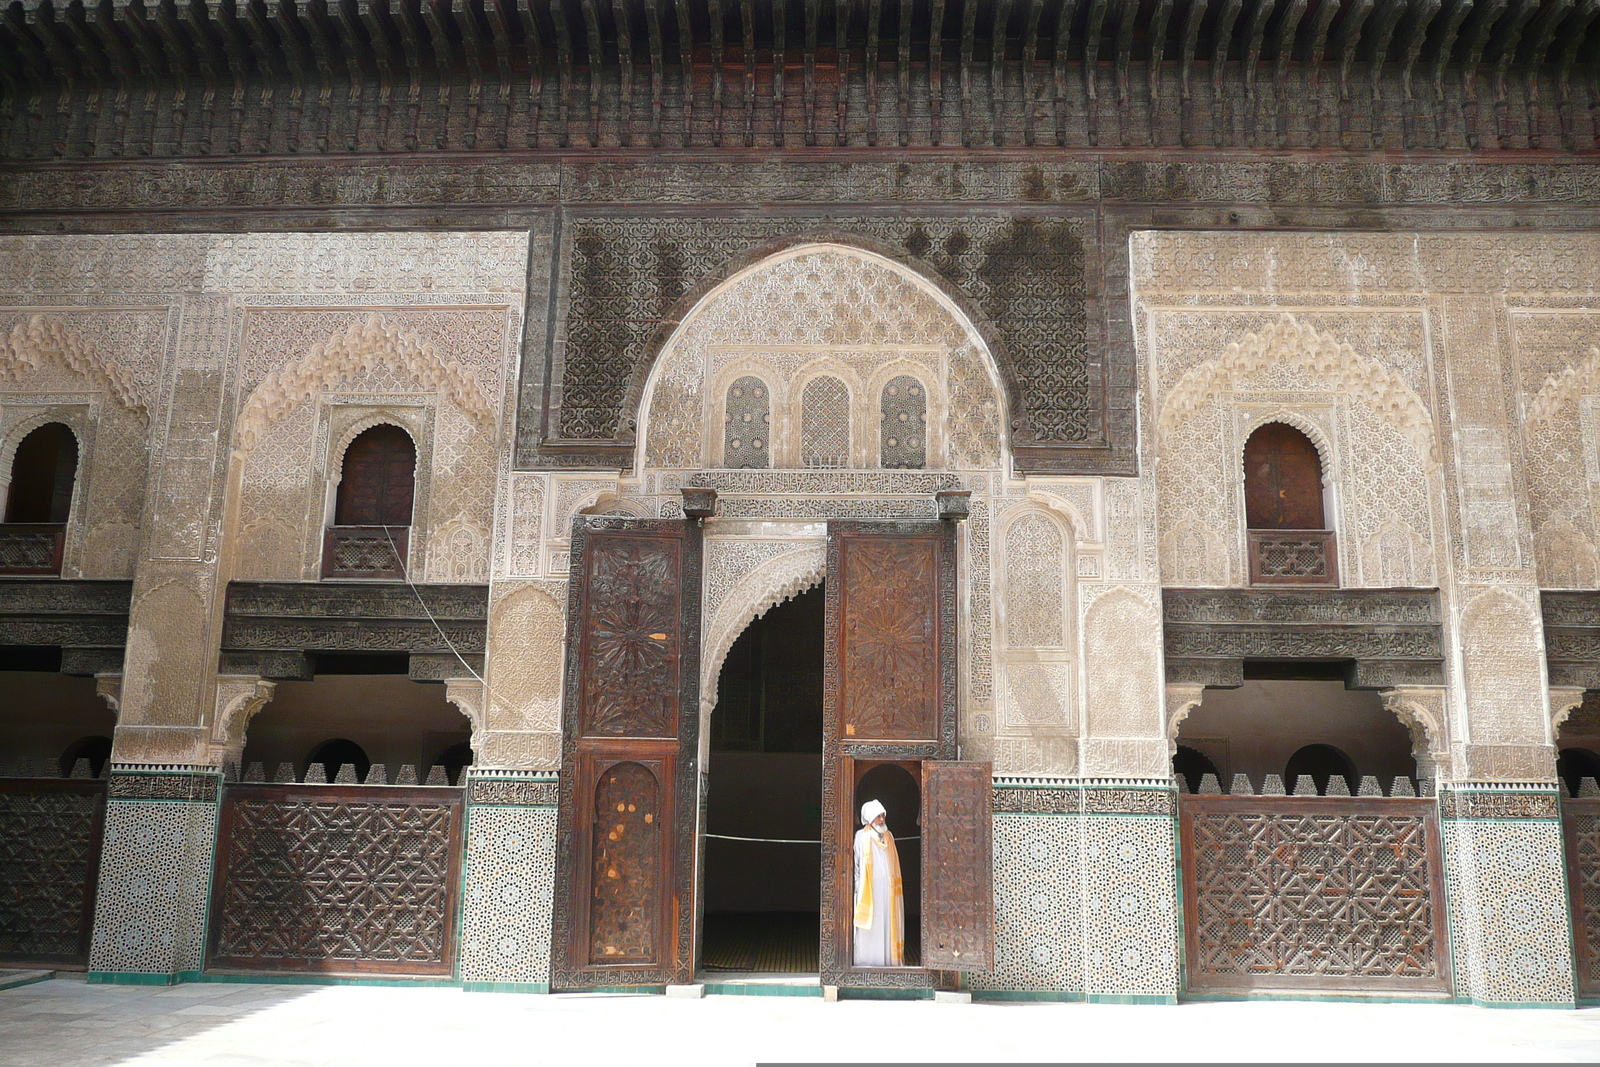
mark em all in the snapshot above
pixel 825 397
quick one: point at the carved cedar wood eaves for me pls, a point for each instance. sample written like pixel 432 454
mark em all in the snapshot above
pixel 87 619
pixel 269 626
pixel 1389 636
pixel 624 903
pixel 1405 73
pixel 838 823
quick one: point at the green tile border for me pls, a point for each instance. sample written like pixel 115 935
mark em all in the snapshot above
pixel 1130 998
pixel 1023 996
pixel 27 978
pixel 390 981
pixel 761 989
pixel 505 987
pixel 862 993
pixel 1353 997
pixel 141 977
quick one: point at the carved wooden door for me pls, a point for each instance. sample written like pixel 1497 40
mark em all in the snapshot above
pixel 1282 480
pixel 889 694
pixel 957 866
pixel 624 907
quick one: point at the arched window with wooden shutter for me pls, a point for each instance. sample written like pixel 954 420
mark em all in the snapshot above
pixel 1290 543
pixel 39 501
pixel 372 507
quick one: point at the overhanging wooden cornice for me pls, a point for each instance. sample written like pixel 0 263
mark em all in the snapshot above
pixel 199 77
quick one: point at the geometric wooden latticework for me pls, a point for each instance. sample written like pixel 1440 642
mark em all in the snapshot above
pixel 49 863
pixel 1312 893
pixel 624 907
pixel 330 878
pixel 1581 819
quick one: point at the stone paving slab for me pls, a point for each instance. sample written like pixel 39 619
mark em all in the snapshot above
pixel 68 1023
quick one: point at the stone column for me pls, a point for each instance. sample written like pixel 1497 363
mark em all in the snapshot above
pixel 1505 883
pixel 161 811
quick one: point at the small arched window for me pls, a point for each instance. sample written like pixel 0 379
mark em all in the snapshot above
pixel 904 406
pixel 1282 480
pixel 825 424
pixel 747 432
pixel 42 475
pixel 378 479
pixel 1290 543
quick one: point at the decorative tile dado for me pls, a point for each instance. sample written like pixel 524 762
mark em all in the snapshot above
pixel 155 880
pixel 508 886
pixel 1510 921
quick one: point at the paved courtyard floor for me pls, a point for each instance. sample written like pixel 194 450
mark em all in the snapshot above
pixel 67 1023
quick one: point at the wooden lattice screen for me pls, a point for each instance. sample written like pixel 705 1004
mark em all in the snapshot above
pixel 331 878
pixel 1581 820
pixel 1313 893
pixel 49 863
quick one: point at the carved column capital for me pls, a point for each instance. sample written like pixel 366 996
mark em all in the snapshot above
pixel 1181 700
pixel 239 697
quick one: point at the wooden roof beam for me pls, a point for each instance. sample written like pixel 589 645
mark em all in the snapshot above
pixel 969 25
pixel 1030 57
pixel 780 57
pixel 624 22
pixel 1186 53
pixel 1160 18
pixel 1427 11
pixel 658 68
pixel 1066 13
pixel 1219 65
pixel 1577 34
pixel 747 28
pixel 813 16
pixel 903 74
pixel 874 18
pixel 1383 31
pixel 997 71
pixel 1282 47
pixel 1478 35
pixel 596 57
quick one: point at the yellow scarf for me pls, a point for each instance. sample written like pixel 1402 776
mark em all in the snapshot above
pixel 863 919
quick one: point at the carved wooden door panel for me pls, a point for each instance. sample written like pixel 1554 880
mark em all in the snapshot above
pixel 1282 480
pixel 889 694
pixel 624 906
pixel 957 868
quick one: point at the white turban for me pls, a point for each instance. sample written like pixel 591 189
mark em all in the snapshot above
pixel 871 810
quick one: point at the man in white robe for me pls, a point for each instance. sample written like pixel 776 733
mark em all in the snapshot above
pixel 880 919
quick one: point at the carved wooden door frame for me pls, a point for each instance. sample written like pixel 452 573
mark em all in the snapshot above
pixel 839 752
pixel 669 751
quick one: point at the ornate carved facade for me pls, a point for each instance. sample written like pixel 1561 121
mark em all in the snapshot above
pixel 229 253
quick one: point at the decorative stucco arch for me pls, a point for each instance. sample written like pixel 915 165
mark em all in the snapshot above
pixel 672 400
pixel 363 347
pixel 631 424
pixel 45 339
pixel 760 589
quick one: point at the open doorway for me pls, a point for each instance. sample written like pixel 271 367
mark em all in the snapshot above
pixel 764 797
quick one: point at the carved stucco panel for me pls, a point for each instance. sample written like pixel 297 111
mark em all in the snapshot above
pixel 812 306
pixel 170 659
pixel 527 641
pixel 1503 661
pixel 1123 684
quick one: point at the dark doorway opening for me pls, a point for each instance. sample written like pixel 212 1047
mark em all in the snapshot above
pixel 898 787
pixel 761 896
